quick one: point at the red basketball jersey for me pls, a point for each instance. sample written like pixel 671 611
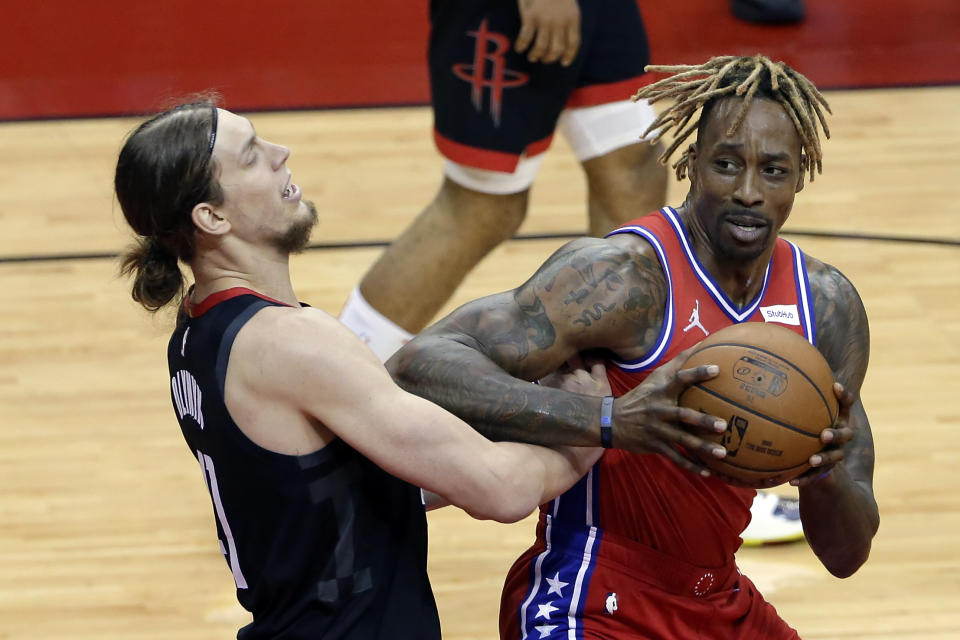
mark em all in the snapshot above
pixel 646 497
pixel 652 511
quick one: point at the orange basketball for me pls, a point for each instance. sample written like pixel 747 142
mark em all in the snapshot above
pixel 775 390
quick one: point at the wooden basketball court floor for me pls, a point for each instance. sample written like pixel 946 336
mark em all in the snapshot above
pixel 106 529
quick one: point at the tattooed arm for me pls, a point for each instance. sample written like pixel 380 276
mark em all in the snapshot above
pixel 590 295
pixel 839 511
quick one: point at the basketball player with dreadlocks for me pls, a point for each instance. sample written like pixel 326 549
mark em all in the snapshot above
pixel 641 547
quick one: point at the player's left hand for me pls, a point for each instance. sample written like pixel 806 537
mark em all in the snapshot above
pixel 834 438
pixel 552 27
pixel 579 374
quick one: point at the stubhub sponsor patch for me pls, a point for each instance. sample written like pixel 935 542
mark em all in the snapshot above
pixel 782 313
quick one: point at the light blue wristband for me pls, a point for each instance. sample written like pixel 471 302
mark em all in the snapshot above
pixel 606 422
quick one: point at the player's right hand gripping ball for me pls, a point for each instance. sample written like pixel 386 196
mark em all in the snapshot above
pixel 776 392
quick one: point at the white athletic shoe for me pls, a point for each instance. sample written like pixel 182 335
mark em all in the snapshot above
pixel 774 520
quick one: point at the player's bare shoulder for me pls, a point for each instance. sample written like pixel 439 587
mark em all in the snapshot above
pixel 610 292
pixel 590 294
pixel 283 344
pixel 843 332
pixel 300 367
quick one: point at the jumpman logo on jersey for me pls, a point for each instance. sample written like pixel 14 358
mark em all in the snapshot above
pixel 695 320
pixel 500 77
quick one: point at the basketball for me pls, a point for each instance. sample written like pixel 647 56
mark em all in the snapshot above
pixel 775 390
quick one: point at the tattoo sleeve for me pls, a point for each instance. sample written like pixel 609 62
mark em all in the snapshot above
pixel 840 514
pixel 843 336
pixel 479 361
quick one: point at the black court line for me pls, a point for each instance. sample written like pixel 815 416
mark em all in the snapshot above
pixel 373 244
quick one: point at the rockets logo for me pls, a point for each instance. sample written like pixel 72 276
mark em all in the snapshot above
pixel 490 48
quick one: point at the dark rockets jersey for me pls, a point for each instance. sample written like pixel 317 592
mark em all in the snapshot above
pixel 323 545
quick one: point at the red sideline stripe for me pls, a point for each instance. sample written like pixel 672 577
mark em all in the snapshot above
pixel 485 158
pixel 594 94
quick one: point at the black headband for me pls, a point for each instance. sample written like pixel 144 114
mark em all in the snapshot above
pixel 213 129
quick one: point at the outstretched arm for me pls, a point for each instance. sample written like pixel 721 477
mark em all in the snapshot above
pixel 590 295
pixel 837 504
pixel 299 372
pixel 578 376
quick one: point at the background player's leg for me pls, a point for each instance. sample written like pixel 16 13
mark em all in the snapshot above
pixel 624 184
pixel 625 179
pixel 419 272
pixel 493 142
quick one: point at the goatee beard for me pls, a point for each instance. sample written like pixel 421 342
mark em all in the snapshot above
pixel 297 237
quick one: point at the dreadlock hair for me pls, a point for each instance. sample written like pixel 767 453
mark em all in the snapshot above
pixel 703 86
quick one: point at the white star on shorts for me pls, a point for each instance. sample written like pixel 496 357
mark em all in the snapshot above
pixel 545 610
pixel 556 585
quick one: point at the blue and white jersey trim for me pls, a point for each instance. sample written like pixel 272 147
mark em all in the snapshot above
pixel 663 341
pixel 804 295
pixel 735 313
pixel 561 574
pixel 560 579
pixel 579 503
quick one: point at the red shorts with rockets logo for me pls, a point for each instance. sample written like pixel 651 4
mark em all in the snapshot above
pixel 587 584
pixel 491 105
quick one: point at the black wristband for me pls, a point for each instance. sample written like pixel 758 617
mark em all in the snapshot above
pixel 606 422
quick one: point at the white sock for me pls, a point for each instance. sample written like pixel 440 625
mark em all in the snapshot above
pixel 382 335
